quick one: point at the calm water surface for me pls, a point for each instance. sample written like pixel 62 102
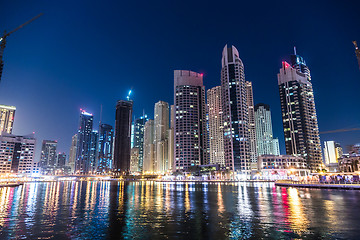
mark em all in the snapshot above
pixel 153 210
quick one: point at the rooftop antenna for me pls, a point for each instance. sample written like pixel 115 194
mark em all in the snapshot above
pixel 294 50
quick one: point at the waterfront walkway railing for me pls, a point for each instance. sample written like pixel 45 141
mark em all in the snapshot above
pixel 340 182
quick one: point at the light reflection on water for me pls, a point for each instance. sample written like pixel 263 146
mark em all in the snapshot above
pixel 156 210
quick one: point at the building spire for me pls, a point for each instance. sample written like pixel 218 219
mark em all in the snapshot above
pixel 294 50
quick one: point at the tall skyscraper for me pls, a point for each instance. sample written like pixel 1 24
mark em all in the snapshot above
pixel 93 151
pixel 139 125
pixel 300 123
pixel 18 153
pixel 171 138
pixel 72 154
pixel 252 133
pixel 216 126
pixel 190 120
pixel 235 112
pixel 7 116
pixel 266 144
pixel 105 148
pixel 148 164
pixel 48 155
pixel 161 143
pixel 82 164
pixel 122 145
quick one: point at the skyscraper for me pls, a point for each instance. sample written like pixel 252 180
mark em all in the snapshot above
pixel 266 144
pixel 216 126
pixel 82 164
pixel 161 127
pixel 148 164
pixel 72 155
pixel 139 125
pixel 18 153
pixel 235 112
pixel 48 156
pixel 252 134
pixel 93 151
pixel 300 124
pixel 122 145
pixel 7 115
pixel 105 148
pixel 190 120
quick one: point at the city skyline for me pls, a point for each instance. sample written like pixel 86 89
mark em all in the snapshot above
pixel 26 41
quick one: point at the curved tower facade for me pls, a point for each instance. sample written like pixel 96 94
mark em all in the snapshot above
pixel 235 112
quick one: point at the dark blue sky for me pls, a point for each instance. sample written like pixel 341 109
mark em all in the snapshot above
pixel 84 54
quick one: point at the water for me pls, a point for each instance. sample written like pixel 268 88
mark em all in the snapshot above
pixel 153 210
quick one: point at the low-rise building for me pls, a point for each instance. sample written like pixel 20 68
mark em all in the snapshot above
pixel 282 166
pixel 349 164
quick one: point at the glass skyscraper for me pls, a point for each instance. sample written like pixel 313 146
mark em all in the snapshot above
pixel 82 164
pixel 300 123
pixel 105 148
pixel 139 125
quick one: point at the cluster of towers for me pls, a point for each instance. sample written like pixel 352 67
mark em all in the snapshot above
pixel 220 126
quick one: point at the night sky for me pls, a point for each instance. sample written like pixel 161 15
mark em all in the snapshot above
pixel 82 55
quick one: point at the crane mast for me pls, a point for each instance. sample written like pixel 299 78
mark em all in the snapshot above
pixel 357 52
pixel 3 42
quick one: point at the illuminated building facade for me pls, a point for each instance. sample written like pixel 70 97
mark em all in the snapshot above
pixel 332 153
pixel 139 125
pixel 148 164
pixel 252 132
pixel 48 156
pixel 235 112
pixel 72 154
pixel 7 116
pixel 122 144
pixel 216 126
pixel 105 148
pixel 300 123
pixel 16 153
pixel 82 163
pixel 134 160
pixel 190 135
pixel 93 151
pixel 161 143
pixel 266 144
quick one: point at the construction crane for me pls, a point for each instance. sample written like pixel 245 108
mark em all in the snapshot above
pixel 341 130
pixel 357 52
pixel 3 41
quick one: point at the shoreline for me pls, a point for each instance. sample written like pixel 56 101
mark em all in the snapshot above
pixel 320 185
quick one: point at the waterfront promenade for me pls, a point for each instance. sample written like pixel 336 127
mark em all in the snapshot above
pixel 316 184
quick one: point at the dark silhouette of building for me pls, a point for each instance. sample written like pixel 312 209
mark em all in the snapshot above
pixel 122 146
